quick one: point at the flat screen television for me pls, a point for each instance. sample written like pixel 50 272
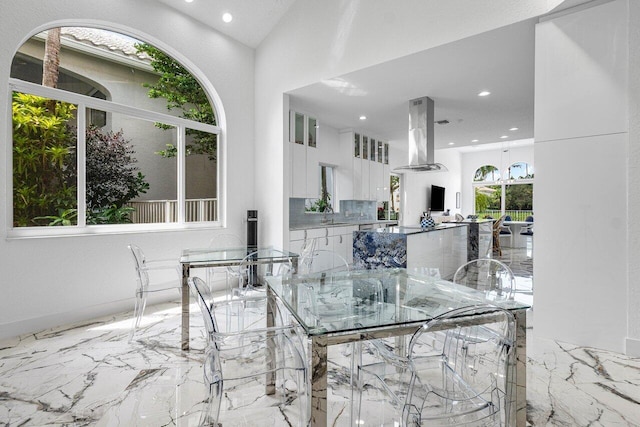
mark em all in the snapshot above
pixel 437 199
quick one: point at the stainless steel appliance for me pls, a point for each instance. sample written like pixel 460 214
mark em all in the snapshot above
pixel 421 138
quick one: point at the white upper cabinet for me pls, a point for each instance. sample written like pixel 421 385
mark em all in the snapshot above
pixel 305 168
pixel 364 157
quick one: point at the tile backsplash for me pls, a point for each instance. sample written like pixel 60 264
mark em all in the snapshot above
pixel 350 211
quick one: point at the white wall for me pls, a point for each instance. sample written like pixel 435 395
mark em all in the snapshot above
pixel 414 185
pixel 51 281
pixel 633 183
pixel 318 40
pixel 582 102
pixel 471 161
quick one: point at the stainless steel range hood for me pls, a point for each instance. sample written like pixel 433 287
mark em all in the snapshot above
pixel 421 142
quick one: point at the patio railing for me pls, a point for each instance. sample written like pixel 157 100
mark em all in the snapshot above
pixel 154 211
pixel 514 214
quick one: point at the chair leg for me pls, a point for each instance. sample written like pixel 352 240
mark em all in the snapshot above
pixel 138 311
pixel 303 396
pixel 211 412
pixel 215 385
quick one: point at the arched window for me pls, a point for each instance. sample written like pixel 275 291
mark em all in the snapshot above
pixel 108 129
pixel 520 170
pixel 486 173
pixel 511 196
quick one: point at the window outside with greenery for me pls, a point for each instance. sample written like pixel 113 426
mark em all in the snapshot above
pixel 109 130
pixel 513 196
pixel 327 189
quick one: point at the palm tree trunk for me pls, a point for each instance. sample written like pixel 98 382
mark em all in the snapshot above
pixel 51 63
pixel 51 58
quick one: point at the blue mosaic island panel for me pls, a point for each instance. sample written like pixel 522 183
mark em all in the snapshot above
pixel 373 250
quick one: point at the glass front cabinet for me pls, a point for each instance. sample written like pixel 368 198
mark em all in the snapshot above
pixel 369 167
pixel 303 138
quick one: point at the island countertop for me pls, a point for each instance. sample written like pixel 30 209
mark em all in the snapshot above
pixel 344 223
pixel 411 247
pixel 409 229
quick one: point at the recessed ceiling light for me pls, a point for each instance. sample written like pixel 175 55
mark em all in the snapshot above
pixel 189 1
pixel 227 17
pixel 452 143
pixel 474 140
pixel 504 136
pixel 363 117
pixel 484 93
pixel 512 129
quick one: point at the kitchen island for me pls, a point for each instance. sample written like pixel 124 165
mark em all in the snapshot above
pixel 446 247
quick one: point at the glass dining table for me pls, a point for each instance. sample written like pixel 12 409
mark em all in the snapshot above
pixel 409 301
pixel 224 257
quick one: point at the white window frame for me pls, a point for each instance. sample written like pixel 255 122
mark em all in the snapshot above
pixel 83 102
pixel 502 182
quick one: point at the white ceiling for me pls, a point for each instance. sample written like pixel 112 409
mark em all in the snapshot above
pixel 500 61
pixel 252 19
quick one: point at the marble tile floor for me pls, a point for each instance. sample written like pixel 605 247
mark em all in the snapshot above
pixel 520 260
pixel 87 374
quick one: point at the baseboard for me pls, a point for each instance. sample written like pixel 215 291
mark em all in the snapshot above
pixel 13 330
pixel 632 347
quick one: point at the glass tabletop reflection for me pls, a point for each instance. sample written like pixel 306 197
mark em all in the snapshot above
pixel 230 256
pixel 406 299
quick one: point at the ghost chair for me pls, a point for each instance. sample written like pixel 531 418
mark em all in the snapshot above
pixel 342 299
pixel 305 257
pixel 221 242
pixel 258 264
pixel 145 271
pixel 487 275
pixel 256 365
pixel 322 260
pixel 448 378
pixel 457 379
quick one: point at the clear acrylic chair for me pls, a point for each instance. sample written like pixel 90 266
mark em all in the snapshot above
pixel 490 276
pixel 431 272
pixel 327 262
pixel 456 379
pixel 448 377
pixel 261 263
pixel 321 260
pixel 223 241
pixel 305 257
pixel 342 301
pixel 144 270
pixel 256 363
